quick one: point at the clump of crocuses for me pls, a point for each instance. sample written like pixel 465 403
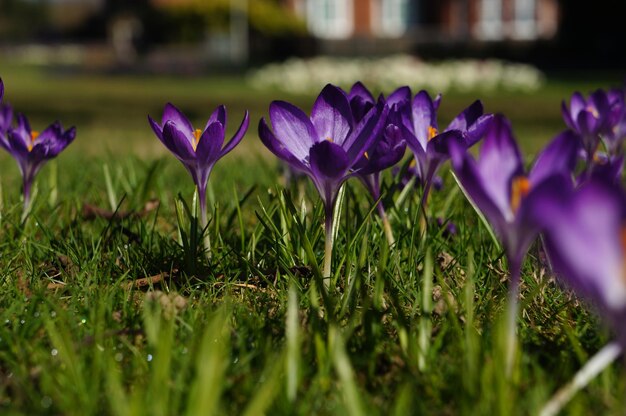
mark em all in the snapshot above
pixel 430 146
pixel 30 148
pixel 599 121
pixel 387 150
pixel 197 149
pixel 325 146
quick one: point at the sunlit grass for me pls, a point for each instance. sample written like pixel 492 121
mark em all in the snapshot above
pixel 248 330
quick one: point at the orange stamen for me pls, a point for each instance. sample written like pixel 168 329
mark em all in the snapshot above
pixel 33 137
pixel 520 187
pixel 196 134
pixel 432 132
pixel 366 155
pixel 593 111
pixel 329 139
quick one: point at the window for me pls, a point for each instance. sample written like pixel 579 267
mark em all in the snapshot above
pixel 393 17
pixel 490 20
pixel 331 19
pixel 524 26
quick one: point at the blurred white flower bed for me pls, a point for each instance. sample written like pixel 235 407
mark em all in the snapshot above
pixel 306 76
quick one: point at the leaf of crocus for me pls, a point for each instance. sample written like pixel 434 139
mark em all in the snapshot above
pixel 293 128
pixel 331 115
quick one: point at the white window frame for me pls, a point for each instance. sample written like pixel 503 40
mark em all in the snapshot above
pixel 390 17
pixel 340 23
pixel 490 23
pixel 525 19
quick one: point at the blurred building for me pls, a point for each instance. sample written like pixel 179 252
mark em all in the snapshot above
pixel 343 25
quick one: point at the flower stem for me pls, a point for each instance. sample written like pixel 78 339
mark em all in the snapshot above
pixel 511 318
pixel 27 182
pixel 328 243
pixel 590 370
pixel 204 221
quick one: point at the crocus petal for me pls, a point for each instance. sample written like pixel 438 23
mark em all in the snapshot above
pixel 559 156
pixel 219 114
pixel 178 142
pixel 365 133
pixel 158 131
pixel 599 101
pixel 328 160
pixel 499 161
pixel 610 171
pixel 440 144
pixel 275 146
pixel 387 152
pixel 467 117
pixel 424 117
pixel 18 141
pixel 477 130
pixel 474 186
pixel 174 115
pixel 331 115
pixel 210 144
pixel 587 124
pixel 585 244
pixel 241 132
pixel 537 209
pixel 359 90
pixel 437 102
pixel 23 124
pixel 577 104
pixel 567 117
pixel 293 128
pixel 399 97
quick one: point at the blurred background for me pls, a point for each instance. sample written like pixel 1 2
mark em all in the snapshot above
pixel 103 65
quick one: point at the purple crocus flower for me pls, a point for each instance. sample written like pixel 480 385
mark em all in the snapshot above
pixel 429 145
pixel 197 149
pixel 615 134
pixel 585 237
pixel 387 150
pixel 508 197
pixel 32 149
pixel 325 146
pixel 591 118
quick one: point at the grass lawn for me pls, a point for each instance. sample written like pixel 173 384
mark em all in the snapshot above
pixel 128 316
